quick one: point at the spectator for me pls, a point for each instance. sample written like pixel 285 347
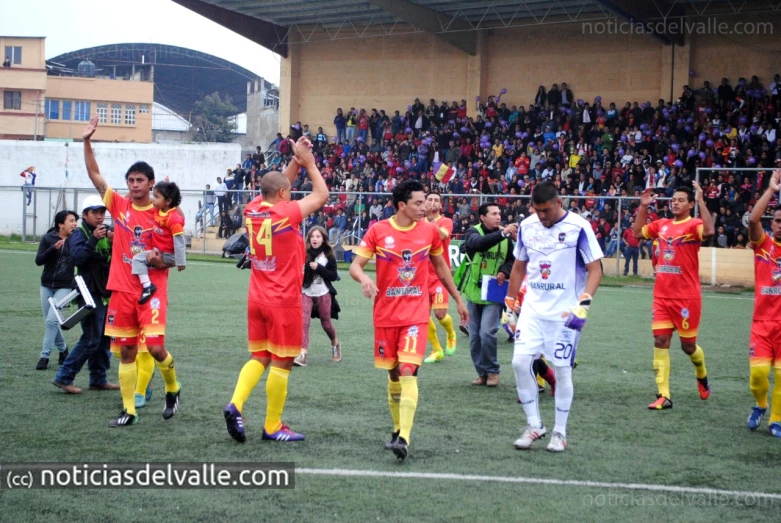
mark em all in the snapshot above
pixel 221 191
pixel 208 205
pixel 631 251
pixel 56 281
pixel 338 228
pixel 7 61
pixel 29 182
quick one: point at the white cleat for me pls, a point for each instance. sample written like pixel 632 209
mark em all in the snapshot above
pixel 557 443
pixel 529 436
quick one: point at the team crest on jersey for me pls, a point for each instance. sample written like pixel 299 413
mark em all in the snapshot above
pixel 545 266
pixel 137 245
pixel 407 270
pixel 154 304
pixel 111 319
pixel 777 272
pixel 685 313
pixel 562 237
pixel 669 254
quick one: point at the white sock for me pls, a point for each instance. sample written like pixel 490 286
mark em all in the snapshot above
pixel 564 393
pixel 144 280
pixel 526 384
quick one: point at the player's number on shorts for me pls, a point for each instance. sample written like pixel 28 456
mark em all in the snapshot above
pixel 563 351
pixel 263 236
pixel 439 297
pixel 155 316
pixel 410 344
pixel 685 323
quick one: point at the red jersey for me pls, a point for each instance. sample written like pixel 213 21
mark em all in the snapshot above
pixel 133 233
pixel 767 279
pixel 678 268
pixel 276 252
pixel 402 270
pixel 168 224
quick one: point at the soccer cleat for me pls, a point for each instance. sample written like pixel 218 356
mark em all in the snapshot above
pixel 140 401
pixel 661 403
pixel 283 434
pixel 171 403
pixel 235 422
pixel 756 417
pixel 703 387
pixel 400 448
pixel 557 443
pixel 434 357
pixel 43 364
pixel 123 420
pixel 63 356
pixel 450 347
pixel 147 293
pixel 336 352
pixel 394 438
pixel 775 429
pixel 529 436
pixel 463 329
pixel 148 395
pixel 300 360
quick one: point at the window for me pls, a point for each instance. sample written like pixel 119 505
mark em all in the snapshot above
pixel 103 113
pixel 53 109
pixel 143 109
pixel 130 115
pixel 116 113
pixel 14 53
pixel 12 100
pixel 82 112
pixel 66 109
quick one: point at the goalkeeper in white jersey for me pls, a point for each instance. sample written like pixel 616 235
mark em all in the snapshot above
pixel 558 252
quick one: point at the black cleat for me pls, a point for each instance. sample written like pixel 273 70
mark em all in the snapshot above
pixel 63 357
pixel 171 403
pixel 393 440
pixel 399 447
pixel 123 420
pixel 148 292
pixel 463 329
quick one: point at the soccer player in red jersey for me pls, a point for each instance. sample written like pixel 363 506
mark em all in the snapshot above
pixel 677 295
pixel 765 341
pixel 129 323
pixel 403 244
pixel 274 306
pixel 439 297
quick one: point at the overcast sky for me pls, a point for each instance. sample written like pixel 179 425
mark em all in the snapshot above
pixel 70 25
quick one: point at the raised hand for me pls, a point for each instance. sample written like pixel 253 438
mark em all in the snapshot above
pixel 648 197
pixel 775 181
pixel 91 128
pixel 698 193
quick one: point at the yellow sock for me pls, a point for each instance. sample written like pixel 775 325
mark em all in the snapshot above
pixel 169 373
pixel 432 336
pixel 775 402
pixel 248 378
pixel 276 392
pixel 145 364
pixel 662 370
pixel 394 396
pixel 407 405
pixel 698 360
pixel 128 375
pixel 759 382
pixel 447 324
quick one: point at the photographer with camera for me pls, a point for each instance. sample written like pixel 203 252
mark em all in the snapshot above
pixel 90 249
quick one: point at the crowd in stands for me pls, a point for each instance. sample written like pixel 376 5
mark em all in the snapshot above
pixel 591 150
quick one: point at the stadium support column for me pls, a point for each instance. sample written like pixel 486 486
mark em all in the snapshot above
pixel 476 79
pixel 289 88
pixel 676 60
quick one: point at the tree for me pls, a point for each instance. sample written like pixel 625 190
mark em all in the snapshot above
pixel 213 118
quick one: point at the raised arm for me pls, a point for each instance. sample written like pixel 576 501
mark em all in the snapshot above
pixel 291 171
pixel 647 198
pixel 755 230
pixel 93 171
pixel 311 202
pixel 708 229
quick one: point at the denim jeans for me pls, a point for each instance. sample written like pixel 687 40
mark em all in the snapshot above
pixel 92 348
pixel 200 214
pixel 350 134
pixel 631 253
pixel 340 135
pixel 334 235
pixel 483 325
pixel 363 133
pixel 53 335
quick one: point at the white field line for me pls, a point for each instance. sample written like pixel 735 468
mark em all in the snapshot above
pixel 539 481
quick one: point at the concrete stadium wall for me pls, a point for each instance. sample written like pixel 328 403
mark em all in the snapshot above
pixel 390 72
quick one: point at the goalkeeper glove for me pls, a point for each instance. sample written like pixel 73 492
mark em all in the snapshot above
pixel 510 314
pixel 576 319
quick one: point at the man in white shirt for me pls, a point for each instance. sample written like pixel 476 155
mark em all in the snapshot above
pixel 220 191
pixel 558 254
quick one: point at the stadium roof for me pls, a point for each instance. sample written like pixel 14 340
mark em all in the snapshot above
pixel 277 23
pixel 181 76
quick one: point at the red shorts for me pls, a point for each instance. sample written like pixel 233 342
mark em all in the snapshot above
pixel 765 343
pixel 129 323
pixel 682 315
pixel 394 345
pixel 274 329
pixel 438 295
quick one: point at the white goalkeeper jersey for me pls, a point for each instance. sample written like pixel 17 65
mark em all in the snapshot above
pixel 557 258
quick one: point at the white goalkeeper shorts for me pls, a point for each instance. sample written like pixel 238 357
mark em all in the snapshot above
pixel 535 337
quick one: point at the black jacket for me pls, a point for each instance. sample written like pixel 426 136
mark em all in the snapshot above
pixel 473 243
pixel 329 275
pixel 57 263
pixel 92 262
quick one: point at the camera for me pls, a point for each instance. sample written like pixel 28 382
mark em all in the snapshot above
pixel 107 228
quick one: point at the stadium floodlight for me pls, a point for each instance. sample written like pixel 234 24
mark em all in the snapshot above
pixel 82 312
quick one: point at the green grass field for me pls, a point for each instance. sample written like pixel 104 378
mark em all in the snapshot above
pixel 461 431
